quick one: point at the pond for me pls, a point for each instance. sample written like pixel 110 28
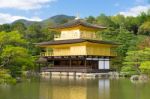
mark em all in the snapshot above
pixel 64 88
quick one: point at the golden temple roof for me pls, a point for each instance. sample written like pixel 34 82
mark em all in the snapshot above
pixel 72 41
pixel 78 22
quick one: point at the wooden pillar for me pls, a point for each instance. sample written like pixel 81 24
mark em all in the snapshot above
pixel 85 62
pixel 78 62
pixel 90 62
pixel 70 63
pixel 53 63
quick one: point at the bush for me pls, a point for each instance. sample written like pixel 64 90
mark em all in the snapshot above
pixel 5 77
pixel 145 67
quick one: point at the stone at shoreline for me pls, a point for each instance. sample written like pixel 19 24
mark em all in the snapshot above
pixel 18 79
pixel 143 77
pixel 139 78
pixel 134 77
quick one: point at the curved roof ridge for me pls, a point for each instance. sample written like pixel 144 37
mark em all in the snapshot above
pixel 77 22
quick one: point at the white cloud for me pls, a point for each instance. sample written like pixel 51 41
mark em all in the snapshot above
pixel 24 4
pixel 7 18
pixel 135 11
pixel 140 1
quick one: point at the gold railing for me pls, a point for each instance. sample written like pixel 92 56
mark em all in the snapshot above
pixel 56 54
pixel 112 53
pixel 46 54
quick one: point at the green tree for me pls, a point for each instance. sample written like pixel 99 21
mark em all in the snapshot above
pixel 5 77
pixel 11 38
pixel 5 27
pixel 145 67
pixel 18 26
pixel 126 39
pixel 132 24
pixel 119 20
pixel 143 17
pixel 14 58
pixel 105 20
pixel 91 19
pixel 34 33
pixel 137 60
pixel 145 28
pixel 13 54
pixel 109 34
pixel 133 60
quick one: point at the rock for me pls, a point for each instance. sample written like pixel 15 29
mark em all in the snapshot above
pixel 139 78
pixel 134 77
pixel 143 78
pixel 18 79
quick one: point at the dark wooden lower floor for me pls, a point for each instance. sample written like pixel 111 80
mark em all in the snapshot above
pixel 74 64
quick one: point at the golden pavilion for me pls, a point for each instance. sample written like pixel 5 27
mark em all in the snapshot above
pixel 77 48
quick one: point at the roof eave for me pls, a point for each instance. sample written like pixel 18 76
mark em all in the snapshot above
pixel 61 28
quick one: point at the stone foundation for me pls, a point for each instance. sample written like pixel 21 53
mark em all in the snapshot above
pixel 79 75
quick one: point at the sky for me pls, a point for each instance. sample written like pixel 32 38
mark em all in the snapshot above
pixel 37 10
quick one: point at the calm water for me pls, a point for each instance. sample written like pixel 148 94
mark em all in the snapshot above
pixel 76 89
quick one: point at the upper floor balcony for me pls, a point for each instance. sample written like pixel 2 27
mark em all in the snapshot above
pixel 77 34
pixel 112 54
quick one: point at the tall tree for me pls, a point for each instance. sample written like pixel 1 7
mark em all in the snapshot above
pixel 5 27
pixel 11 38
pixel 104 20
pixel 137 60
pixel 145 28
pixel 126 39
pixel 15 58
pixel 132 24
pixel 18 26
pixel 13 54
pixel 119 20
pixel 91 19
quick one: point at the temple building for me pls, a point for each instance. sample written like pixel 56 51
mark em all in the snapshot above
pixel 77 47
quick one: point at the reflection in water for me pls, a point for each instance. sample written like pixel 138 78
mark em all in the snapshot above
pixel 75 89
pixel 104 87
pixel 63 89
pixel 26 90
